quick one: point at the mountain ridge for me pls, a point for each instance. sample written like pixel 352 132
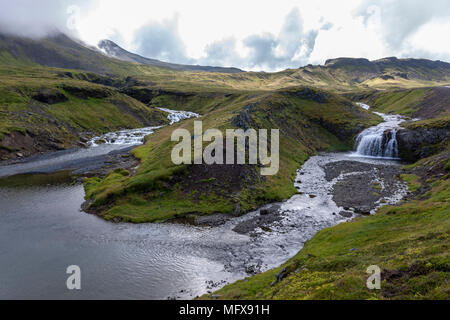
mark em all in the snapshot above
pixel 114 50
pixel 62 51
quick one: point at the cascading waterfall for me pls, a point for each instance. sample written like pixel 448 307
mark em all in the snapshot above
pixel 380 141
pixel 136 136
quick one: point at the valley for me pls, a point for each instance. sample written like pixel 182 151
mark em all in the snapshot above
pixel 85 143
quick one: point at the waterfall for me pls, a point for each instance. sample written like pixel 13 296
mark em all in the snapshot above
pixel 176 116
pixel 379 141
pixel 376 142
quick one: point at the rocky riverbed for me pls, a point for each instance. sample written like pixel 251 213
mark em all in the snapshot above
pixel 174 260
pixel 362 187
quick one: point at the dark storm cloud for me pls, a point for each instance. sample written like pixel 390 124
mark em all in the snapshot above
pixel 290 48
pixel 402 18
pixel 161 41
pixel 38 18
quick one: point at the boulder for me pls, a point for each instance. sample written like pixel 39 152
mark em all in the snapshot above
pixel 420 142
pixel 346 214
pixel 365 210
pixel 270 210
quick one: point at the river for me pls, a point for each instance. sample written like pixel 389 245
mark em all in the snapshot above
pixel 43 231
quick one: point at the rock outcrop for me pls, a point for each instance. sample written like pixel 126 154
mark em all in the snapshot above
pixel 420 142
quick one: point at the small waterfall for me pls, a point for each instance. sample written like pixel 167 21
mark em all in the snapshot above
pixel 176 116
pixel 380 141
pixel 136 136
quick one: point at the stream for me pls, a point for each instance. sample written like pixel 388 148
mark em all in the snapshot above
pixel 43 231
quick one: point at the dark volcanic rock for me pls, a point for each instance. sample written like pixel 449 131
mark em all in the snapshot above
pixel 243 120
pixel 262 221
pixel 50 96
pixel 361 190
pixel 270 210
pixel 346 214
pixel 361 209
pixel 85 93
pixel 387 77
pixel 419 143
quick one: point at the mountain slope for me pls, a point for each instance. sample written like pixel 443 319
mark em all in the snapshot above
pixel 342 74
pixel 55 51
pixel 115 51
pixel 42 111
pixel 383 73
pixel 60 51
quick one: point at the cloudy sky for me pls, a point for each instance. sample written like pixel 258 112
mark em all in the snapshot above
pixel 249 34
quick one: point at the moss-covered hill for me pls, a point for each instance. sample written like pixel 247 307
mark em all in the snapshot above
pixel 409 242
pixel 342 74
pixel 309 120
pixel 44 107
pixel 40 110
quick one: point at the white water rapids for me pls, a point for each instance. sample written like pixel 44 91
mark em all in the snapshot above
pixel 136 136
pixel 176 116
pixel 379 141
pixel 43 232
pixel 97 149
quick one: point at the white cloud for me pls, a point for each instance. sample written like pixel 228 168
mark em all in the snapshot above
pixel 247 34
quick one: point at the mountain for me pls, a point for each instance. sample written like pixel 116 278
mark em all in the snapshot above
pixel 61 51
pixel 56 50
pixel 115 51
pixel 360 70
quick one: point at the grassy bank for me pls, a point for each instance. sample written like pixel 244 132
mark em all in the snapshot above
pixel 409 242
pixel 309 120
pixel 41 111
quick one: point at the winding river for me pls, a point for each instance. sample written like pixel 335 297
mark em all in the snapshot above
pixel 43 231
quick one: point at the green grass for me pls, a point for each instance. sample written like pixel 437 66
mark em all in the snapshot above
pixel 413 181
pixel 102 110
pixel 412 239
pixel 306 126
pixel 397 101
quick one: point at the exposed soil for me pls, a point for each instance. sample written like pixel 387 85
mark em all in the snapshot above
pixel 18 143
pixel 396 279
pixel 225 180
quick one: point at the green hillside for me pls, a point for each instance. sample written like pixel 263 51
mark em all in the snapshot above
pixel 409 242
pixel 309 120
pixel 56 92
pixel 40 110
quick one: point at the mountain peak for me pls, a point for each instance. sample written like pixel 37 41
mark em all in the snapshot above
pixel 113 50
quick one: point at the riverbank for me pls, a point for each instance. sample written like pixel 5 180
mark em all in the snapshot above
pixel 100 155
pixel 137 261
pixel 408 241
pixel 160 190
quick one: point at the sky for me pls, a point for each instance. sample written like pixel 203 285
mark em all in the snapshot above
pixel 251 35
